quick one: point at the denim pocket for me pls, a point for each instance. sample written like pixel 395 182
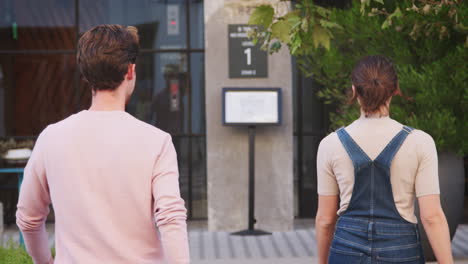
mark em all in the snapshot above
pixel 341 256
pixel 408 255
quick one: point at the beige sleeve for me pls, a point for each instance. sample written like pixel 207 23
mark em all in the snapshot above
pixel 326 180
pixel 427 175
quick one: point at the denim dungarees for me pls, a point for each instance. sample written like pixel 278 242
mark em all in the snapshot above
pixel 371 230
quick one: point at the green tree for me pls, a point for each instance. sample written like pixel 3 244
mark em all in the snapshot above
pixel 427 40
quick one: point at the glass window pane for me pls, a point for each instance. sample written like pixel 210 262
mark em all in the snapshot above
pixel 199 192
pixel 296 178
pixel 35 91
pixel 309 198
pixel 162 24
pixel 197 78
pixel 314 116
pixel 32 24
pixel 160 97
pixel 181 145
pixel 197 25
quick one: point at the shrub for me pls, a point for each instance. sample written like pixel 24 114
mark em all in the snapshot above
pixel 14 254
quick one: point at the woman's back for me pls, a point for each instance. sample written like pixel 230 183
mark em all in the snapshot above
pixel 375 168
pixel 413 169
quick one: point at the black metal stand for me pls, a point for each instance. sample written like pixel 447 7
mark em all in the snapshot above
pixel 251 231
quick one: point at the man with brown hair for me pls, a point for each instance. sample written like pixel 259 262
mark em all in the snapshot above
pixel 109 176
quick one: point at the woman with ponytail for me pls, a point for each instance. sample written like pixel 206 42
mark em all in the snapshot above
pixel 369 174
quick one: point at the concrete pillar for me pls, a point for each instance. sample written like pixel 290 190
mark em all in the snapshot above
pixel 227 147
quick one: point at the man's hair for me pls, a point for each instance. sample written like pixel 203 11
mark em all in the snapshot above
pixel 104 53
pixel 375 80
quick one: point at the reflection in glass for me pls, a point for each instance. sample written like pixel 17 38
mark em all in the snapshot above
pixel 199 192
pixel 37 90
pixel 160 96
pixel 181 146
pixel 161 23
pixel 197 26
pixel 32 24
pixel 197 67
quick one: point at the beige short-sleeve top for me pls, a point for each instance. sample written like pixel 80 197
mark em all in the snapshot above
pixel 413 173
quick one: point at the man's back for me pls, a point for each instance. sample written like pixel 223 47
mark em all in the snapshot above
pixel 108 176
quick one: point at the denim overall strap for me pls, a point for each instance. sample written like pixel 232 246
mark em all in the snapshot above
pixel 356 154
pixel 371 230
pixel 388 153
pixel 372 195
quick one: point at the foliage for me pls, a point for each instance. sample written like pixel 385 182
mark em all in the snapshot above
pixel 310 25
pixel 14 254
pixel 427 40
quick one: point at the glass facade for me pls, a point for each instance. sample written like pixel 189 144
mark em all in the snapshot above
pixel 40 82
pixel 310 126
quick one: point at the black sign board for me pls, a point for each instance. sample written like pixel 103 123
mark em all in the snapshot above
pixel 246 60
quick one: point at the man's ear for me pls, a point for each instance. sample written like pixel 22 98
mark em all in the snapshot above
pixel 130 72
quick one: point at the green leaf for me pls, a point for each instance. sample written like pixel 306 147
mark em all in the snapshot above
pixel 387 23
pixel 461 28
pixel 321 37
pixel 293 15
pixel 280 30
pixel 379 1
pixel 323 12
pixel 397 13
pixel 262 16
pixel 389 20
pixel 364 4
pixel 329 24
pixel 275 47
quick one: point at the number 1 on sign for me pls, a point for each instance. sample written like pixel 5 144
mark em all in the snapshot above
pixel 248 52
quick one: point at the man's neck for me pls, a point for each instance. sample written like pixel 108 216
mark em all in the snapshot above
pixel 108 101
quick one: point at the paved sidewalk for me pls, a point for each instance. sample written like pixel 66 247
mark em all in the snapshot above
pixel 259 261
pixel 279 261
pixel 293 247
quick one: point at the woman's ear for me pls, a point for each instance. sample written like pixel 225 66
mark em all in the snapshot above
pixel 354 94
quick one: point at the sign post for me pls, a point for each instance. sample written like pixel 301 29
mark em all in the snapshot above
pixel 251 107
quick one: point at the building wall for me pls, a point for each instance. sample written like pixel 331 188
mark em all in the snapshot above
pixel 227 147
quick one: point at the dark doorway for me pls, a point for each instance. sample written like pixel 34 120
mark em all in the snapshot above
pixel 311 124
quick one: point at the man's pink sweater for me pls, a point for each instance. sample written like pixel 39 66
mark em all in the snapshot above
pixel 110 178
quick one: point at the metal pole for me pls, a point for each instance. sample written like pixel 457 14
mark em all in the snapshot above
pixel 251 231
pixel 251 177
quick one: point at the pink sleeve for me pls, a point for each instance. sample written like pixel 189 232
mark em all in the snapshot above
pixel 33 206
pixel 169 209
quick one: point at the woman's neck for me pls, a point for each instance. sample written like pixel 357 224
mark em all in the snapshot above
pixel 382 113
